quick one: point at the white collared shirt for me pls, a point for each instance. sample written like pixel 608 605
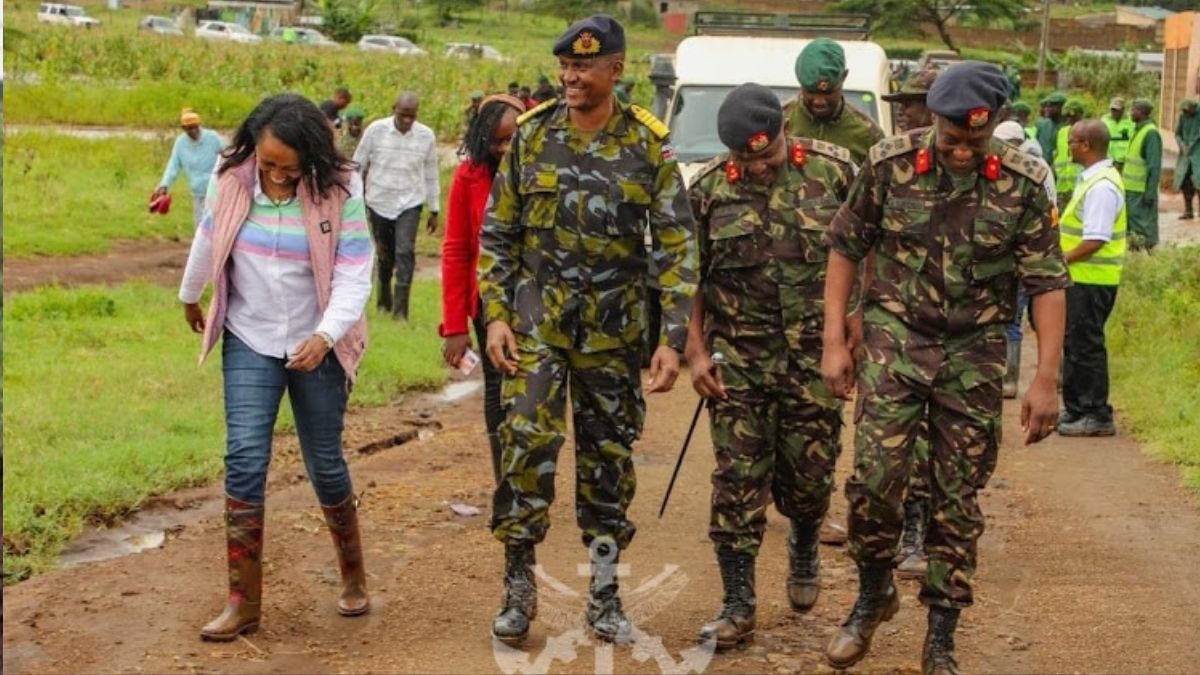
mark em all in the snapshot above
pixel 401 170
pixel 272 293
pixel 1101 204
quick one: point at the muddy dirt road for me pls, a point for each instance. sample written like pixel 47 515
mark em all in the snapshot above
pixel 1087 565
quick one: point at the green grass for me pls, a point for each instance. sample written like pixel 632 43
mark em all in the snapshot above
pixel 67 195
pixel 70 196
pixel 1154 356
pixel 105 406
pixel 115 76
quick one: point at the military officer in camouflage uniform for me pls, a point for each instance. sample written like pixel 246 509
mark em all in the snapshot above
pixel 820 111
pixel 956 220
pixel 563 282
pixel 761 213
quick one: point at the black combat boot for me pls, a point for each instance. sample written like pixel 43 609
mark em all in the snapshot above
pixel 736 620
pixel 1012 371
pixel 520 595
pixel 910 561
pixel 938 656
pixel 878 601
pixel 605 617
pixel 804 566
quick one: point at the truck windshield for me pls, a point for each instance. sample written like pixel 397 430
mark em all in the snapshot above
pixel 694 120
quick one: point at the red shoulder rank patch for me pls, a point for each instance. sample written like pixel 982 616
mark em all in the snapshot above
pixel 924 161
pixel 799 154
pixel 991 168
pixel 733 172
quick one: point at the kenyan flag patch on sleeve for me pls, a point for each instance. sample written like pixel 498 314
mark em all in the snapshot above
pixel 668 153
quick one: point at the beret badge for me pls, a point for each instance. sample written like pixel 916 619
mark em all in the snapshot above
pixel 978 117
pixel 758 142
pixel 586 44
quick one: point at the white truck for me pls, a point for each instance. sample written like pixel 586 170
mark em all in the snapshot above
pixel 708 67
pixel 67 15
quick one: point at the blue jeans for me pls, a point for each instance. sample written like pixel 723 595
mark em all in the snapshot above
pixel 1013 330
pixel 254 386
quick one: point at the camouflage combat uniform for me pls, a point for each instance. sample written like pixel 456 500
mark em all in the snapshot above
pixel 763 258
pixel 564 264
pixel 851 129
pixel 949 255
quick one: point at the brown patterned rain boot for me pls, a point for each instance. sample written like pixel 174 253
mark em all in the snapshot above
pixel 343 526
pixel 244 541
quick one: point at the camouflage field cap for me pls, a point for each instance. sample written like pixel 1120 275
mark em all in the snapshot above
pixel 915 87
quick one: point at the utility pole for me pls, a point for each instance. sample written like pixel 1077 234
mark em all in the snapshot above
pixel 1045 43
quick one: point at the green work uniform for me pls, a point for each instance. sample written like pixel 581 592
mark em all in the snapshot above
pixel 763 259
pixel 564 264
pixel 1141 176
pixel 950 252
pixel 849 128
pixel 1187 135
pixel 1120 133
pixel 1047 136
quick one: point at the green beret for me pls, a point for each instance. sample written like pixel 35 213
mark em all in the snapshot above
pixel 1057 98
pixel 1073 105
pixel 1188 104
pixel 1143 103
pixel 820 65
pixel 1021 107
pixel 355 113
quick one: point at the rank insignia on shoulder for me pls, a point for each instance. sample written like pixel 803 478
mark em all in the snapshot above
pixel 733 172
pixel 799 154
pixel 991 168
pixel 924 161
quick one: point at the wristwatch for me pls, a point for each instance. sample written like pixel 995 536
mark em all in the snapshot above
pixel 325 338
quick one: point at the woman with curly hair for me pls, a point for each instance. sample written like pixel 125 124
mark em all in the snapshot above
pixel 284 240
pixel 486 141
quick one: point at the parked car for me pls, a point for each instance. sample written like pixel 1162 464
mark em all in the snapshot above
pixel 223 30
pixel 159 25
pixel 471 50
pixel 303 36
pixel 390 43
pixel 67 15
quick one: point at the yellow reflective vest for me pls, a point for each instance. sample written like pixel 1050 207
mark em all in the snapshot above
pixel 1066 171
pixel 1135 171
pixel 1103 268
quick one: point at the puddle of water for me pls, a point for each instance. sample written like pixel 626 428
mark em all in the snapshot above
pixel 142 532
pixel 457 391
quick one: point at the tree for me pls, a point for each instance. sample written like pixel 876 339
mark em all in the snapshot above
pixel 906 16
pixel 348 20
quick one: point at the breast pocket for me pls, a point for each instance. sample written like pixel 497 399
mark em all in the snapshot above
pixel 628 206
pixel 905 230
pixel 731 237
pixel 538 188
pixel 992 240
pixel 815 216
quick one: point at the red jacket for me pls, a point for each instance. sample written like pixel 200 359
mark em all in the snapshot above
pixel 469 190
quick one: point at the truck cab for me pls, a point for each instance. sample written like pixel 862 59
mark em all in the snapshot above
pixel 708 67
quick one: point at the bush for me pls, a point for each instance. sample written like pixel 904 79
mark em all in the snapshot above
pixel 1103 77
pixel 348 20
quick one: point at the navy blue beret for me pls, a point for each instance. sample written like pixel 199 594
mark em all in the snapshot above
pixel 969 94
pixel 596 35
pixel 749 118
